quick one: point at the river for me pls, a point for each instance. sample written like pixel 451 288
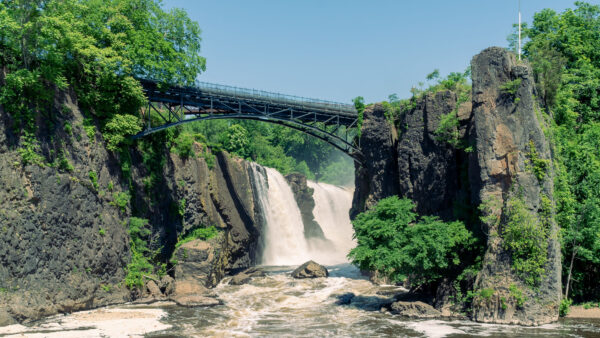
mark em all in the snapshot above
pixel 345 304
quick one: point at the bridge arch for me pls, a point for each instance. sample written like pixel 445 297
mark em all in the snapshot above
pixel 325 120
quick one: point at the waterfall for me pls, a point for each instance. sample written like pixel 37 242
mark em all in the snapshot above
pixel 332 204
pixel 283 231
pixel 282 234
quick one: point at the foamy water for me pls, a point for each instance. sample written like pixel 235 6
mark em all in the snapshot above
pixel 106 322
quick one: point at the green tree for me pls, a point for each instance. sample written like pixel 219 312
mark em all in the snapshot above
pixel 395 241
pixel 564 52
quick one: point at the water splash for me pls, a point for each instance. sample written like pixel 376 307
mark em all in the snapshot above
pixel 283 232
pixel 332 204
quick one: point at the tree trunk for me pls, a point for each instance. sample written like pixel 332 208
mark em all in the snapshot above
pixel 570 271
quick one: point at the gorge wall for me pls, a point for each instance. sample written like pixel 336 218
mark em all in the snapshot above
pixel 64 219
pixel 500 176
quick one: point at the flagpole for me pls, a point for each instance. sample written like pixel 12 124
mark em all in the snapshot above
pixel 519 30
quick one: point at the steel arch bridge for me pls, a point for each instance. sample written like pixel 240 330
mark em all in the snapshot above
pixel 175 105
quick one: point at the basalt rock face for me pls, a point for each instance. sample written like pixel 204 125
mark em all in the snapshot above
pixel 63 246
pixel 64 242
pixel 306 203
pixel 429 169
pixel 508 164
pixel 510 144
pixel 377 177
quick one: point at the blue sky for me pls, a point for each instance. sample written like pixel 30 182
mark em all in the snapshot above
pixel 340 49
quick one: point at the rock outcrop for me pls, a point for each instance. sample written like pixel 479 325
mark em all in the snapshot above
pixel 508 165
pixel 377 178
pixel 63 243
pixel 304 198
pixel 414 310
pixel 310 269
pixel 429 169
pixel 512 174
pixel 63 246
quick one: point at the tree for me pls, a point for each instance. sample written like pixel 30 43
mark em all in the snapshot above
pixel 564 52
pixel 394 241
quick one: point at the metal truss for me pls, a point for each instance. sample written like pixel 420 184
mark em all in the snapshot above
pixel 327 121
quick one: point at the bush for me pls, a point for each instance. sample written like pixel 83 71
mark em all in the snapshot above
pixel 394 241
pixel 563 309
pixel 526 238
pixel 198 233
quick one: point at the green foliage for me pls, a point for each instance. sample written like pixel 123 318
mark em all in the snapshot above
pixel 486 293
pixel 95 48
pixel 359 105
pixel 139 265
pixel 102 232
pixel 394 241
pixel 526 238
pixel 564 52
pixel 62 162
pixel 68 128
pixel 511 87
pixel 204 234
pixel 564 307
pixel 183 145
pixel 94 179
pixel 90 129
pixel 181 207
pixel 121 200
pixel 118 129
pixel 517 294
pixel 537 165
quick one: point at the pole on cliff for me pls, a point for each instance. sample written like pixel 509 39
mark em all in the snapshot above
pixel 519 30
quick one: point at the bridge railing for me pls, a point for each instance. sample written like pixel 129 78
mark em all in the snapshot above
pixel 262 95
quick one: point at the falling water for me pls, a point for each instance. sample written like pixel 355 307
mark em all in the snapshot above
pixel 283 232
pixel 332 204
pixel 283 239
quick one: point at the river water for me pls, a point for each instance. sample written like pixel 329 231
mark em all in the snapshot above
pixel 345 304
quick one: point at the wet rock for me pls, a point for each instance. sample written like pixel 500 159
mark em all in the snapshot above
pixel 414 310
pixel 306 203
pixel 167 285
pixel 345 299
pixel 6 318
pixel 245 276
pixel 153 289
pixel 310 269
pixel 191 300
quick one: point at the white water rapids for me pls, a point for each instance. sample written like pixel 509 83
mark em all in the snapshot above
pixel 346 304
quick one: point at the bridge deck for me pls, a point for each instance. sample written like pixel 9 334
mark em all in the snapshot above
pixel 205 101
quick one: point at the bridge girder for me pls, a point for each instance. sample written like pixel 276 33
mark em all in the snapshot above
pixel 185 105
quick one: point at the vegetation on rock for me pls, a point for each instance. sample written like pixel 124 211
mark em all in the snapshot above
pixel 396 242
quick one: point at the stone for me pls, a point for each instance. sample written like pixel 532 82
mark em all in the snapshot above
pixel 153 289
pixel 192 300
pixel 416 309
pixel 310 269
pixel 245 276
pixel 504 127
pixel 377 177
pixel 167 285
pixel 6 318
pixel 303 194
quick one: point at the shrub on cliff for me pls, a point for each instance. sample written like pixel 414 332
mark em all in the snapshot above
pixel 396 242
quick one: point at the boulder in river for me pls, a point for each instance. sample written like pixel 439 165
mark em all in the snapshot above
pixel 310 269
pixel 245 276
pixel 416 309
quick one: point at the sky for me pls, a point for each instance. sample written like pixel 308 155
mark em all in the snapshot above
pixel 340 49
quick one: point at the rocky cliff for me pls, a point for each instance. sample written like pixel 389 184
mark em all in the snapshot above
pixel 306 203
pixel 501 165
pixel 512 181
pixel 64 243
